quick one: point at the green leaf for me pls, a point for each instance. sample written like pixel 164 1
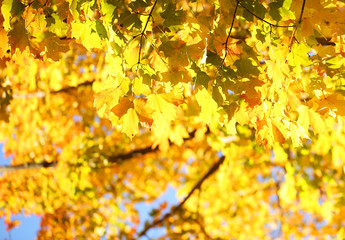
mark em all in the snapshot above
pixel 102 32
pixel 201 77
pixel 274 10
pixel 172 16
pixel 246 67
pixel 135 5
pixel 129 20
pixel 255 7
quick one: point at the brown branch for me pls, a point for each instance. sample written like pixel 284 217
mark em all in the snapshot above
pixel 118 159
pixel 143 33
pixel 298 23
pixel 265 21
pixel 71 88
pixel 42 94
pixel 227 39
pixel 112 159
pixel 136 153
pixel 175 208
pixel 27 166
pixel 202 228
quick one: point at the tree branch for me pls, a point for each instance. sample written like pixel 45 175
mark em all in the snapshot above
pixel 41 94
pixel 271 24
pixel 143 33
pixel 202 228
pixel 118 159
pixel 71 88
pixel 27 166
pixel 227 39
pixel 175 208
pixel 298 23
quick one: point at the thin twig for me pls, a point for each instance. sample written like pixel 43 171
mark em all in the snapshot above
pixel 227 39
pixel 265 21
pixel 175 208
pixel 298 23
pixel 143 33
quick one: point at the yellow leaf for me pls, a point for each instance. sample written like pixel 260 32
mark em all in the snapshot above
pixel 107 99
pixel 242 116
pixel 303 118
pixel 337 156
pixel 280 156
pixel 131 54
pixel 114 64
pixel 295 132
pixel 130 123
pixel 208 105
pixel 160 129
pixel 6 13
pixel 287 192
pixel 316 122
pixel 140 88
pixel 231 127
pixel 3 42
pixel 159 104
pixel 142 109
pixel 177 134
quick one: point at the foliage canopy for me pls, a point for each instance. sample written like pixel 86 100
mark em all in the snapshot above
pixel 238 105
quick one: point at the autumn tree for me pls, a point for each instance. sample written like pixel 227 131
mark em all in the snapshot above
pixel 237 104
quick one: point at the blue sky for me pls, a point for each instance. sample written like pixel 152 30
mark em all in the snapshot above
pixel 25 231
pixel 29 226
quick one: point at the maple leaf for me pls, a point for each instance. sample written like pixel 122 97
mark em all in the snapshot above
pixel 208 105
pixel 157 103
pixel 18 37
pixel 12 224
pixel 107 105
pixel 53 46
pixel 130 123
pixel 3 43
pixel 107 99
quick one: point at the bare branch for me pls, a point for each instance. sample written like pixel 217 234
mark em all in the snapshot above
pixel 175 208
